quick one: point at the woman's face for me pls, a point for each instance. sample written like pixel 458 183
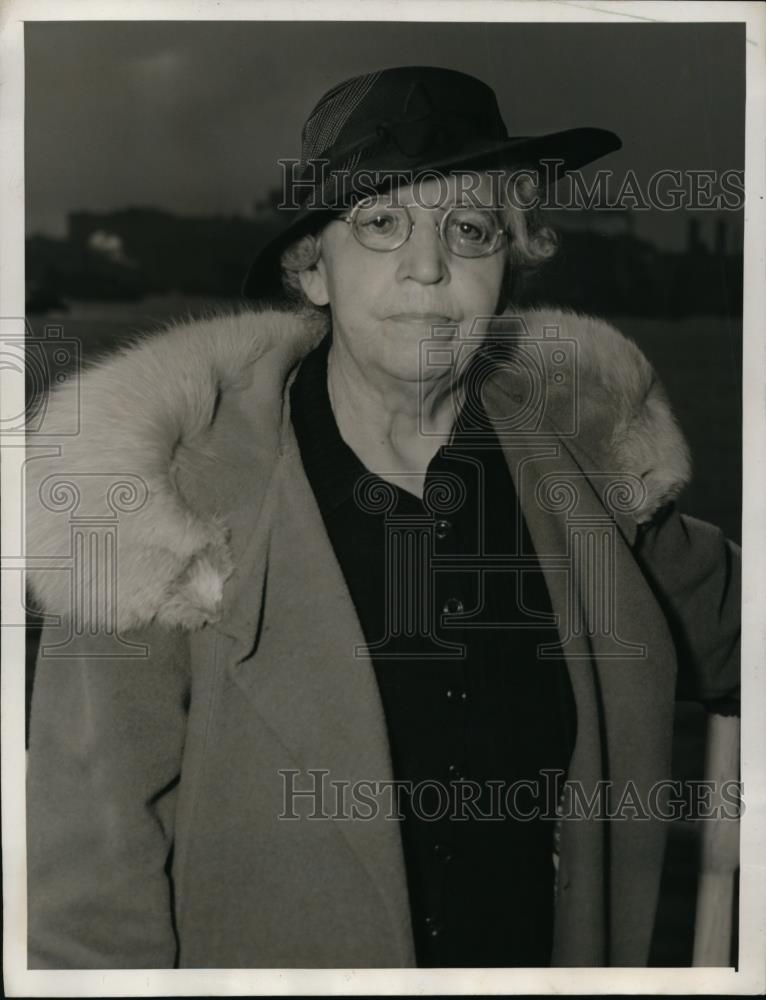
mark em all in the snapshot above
pixel 384 304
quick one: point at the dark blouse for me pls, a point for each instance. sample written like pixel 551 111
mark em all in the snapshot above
pixel 454 634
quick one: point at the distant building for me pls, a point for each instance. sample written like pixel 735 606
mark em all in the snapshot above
pixel 601 267
pixel 200 255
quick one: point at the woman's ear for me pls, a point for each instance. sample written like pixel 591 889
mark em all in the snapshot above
pixel 314 285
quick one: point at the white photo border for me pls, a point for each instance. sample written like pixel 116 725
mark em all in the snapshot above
pixel 750 978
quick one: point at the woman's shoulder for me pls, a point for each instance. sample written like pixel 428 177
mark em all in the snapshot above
pixel 145 446
pixel 167 384
pixel 580 378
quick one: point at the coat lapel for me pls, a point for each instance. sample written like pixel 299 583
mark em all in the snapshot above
pixel 581 913
pixel 295 637
pixel 622 668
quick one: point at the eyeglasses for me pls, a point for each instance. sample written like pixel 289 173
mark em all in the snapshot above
pixel 466 231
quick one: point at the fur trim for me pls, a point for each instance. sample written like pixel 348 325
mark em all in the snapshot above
pixel 138 405
pixel 136 408
pixel 624 422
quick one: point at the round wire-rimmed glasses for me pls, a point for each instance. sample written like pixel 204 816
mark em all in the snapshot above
pixel 465 230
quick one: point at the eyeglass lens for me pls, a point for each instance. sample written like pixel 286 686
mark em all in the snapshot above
pixel 466 230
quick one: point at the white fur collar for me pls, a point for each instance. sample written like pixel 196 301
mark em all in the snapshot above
pixel 137 405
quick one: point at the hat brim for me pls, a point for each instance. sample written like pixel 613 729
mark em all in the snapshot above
pixel 564 152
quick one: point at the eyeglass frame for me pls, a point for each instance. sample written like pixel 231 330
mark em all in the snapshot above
pixel 350 218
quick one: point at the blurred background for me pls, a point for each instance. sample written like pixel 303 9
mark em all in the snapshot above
pixel 151 175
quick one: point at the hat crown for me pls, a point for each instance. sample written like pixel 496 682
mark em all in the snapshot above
pixel 407 111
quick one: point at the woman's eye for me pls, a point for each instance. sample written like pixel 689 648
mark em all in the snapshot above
pixel 379 223
pixel 472 228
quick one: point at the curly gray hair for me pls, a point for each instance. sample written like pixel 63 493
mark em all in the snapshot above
pixel 531 244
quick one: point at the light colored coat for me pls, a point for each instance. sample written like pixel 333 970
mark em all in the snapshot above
pixel 154 780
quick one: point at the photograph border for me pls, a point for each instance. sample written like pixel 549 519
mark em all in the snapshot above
pixel 750 977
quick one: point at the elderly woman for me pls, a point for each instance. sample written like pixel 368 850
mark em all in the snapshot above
pixel 373 601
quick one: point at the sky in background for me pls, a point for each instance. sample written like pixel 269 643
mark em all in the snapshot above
pixel 192 116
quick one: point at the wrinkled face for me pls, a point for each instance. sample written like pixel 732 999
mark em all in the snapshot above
pixel 384 304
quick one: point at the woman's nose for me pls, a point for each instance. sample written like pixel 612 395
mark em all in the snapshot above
pixel 423 256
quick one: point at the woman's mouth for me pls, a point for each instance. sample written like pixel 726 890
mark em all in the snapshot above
pixel 422 318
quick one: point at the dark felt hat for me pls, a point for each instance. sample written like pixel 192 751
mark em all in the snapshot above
pixel 403 122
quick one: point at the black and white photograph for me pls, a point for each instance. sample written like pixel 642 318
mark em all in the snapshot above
pixel 382 520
